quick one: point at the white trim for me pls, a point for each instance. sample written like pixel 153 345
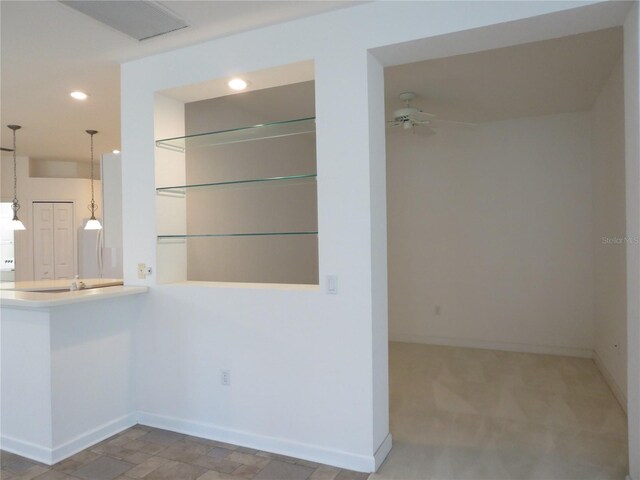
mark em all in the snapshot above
pixel 382 451
pixel 26 449
pixel 613 385
pixel 314 453
pixel 92 437
pixel 49 456
pixel 491 345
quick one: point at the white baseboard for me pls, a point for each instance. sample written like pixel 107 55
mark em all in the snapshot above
pixel 314 453
pixel 26 449
pixel 382 451
pixel 489 345
pixel 613 385
pixel 49 456
pixel 92 437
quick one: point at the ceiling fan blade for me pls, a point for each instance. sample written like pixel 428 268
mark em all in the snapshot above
pixel 424 130
pixel 455 122
pixel 419 116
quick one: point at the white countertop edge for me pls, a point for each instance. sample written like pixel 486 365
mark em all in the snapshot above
pixel 30 300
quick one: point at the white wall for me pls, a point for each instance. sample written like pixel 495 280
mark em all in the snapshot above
pixel 493 226
pixel 328 399
pixel 32 189
pixel 609 233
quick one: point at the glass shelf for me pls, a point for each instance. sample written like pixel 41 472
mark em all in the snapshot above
pixel 181 189
pixel 245 134
pixel 254 234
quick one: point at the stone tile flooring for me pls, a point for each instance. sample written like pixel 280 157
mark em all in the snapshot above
pixel 152 454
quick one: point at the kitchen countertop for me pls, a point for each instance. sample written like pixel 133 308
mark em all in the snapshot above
pixel 63 284
pixel 39 299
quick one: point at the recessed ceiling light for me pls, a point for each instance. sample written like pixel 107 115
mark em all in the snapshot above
pixel 116 151
pixel 79 95
pixel 237 84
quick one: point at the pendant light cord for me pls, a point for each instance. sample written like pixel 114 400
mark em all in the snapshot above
pixel 15 174
pixel 92 205
pixel 92 199
pixel 15 205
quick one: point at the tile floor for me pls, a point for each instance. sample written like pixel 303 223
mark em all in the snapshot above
pixel 460 413
pixel 151 454
pixel 456 414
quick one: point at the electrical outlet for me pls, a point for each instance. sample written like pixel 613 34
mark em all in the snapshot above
pixel 225 377
pixel 142 271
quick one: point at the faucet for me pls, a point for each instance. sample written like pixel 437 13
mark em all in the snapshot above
pixel 77 284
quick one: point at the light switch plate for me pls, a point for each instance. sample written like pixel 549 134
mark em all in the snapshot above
pixel 332 284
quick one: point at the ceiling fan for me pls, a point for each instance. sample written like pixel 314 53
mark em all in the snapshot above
pixel 409 117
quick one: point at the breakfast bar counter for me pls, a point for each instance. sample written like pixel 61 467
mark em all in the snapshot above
pixel 67 368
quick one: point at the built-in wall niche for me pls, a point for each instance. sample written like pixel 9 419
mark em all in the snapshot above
pixel 243 205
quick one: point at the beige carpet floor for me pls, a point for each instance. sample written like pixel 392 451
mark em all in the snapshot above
pixel 460 413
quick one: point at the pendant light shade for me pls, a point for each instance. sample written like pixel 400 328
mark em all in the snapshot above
pixel 15 224
pixel 93 223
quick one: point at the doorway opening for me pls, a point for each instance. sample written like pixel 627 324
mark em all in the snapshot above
pixel 507 262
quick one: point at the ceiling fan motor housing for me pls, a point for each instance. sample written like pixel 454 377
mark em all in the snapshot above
pixel 404 113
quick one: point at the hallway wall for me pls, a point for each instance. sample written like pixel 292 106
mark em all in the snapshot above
pixel 490 235
pixel 609 233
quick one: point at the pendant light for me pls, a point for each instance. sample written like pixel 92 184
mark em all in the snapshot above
pixel 15 224
pixel 93 223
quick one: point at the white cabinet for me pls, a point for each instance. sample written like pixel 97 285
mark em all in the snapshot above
pixel 53 240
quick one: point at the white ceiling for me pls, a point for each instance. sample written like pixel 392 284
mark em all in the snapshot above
pixel 540 78
pixel 48 50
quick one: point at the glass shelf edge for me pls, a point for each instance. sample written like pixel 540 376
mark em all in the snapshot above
pixel 233 182
pixel 179 144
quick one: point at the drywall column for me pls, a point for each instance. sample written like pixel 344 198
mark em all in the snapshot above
pixel 138 179
pixel 360 150
pixel 632 145
pixel 379 295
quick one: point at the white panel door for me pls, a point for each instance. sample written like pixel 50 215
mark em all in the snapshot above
pixel 53 241
pixel 43 263
pixel 63 239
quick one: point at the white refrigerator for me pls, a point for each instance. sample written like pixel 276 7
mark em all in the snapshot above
pixel 100 251
pixel 90 257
